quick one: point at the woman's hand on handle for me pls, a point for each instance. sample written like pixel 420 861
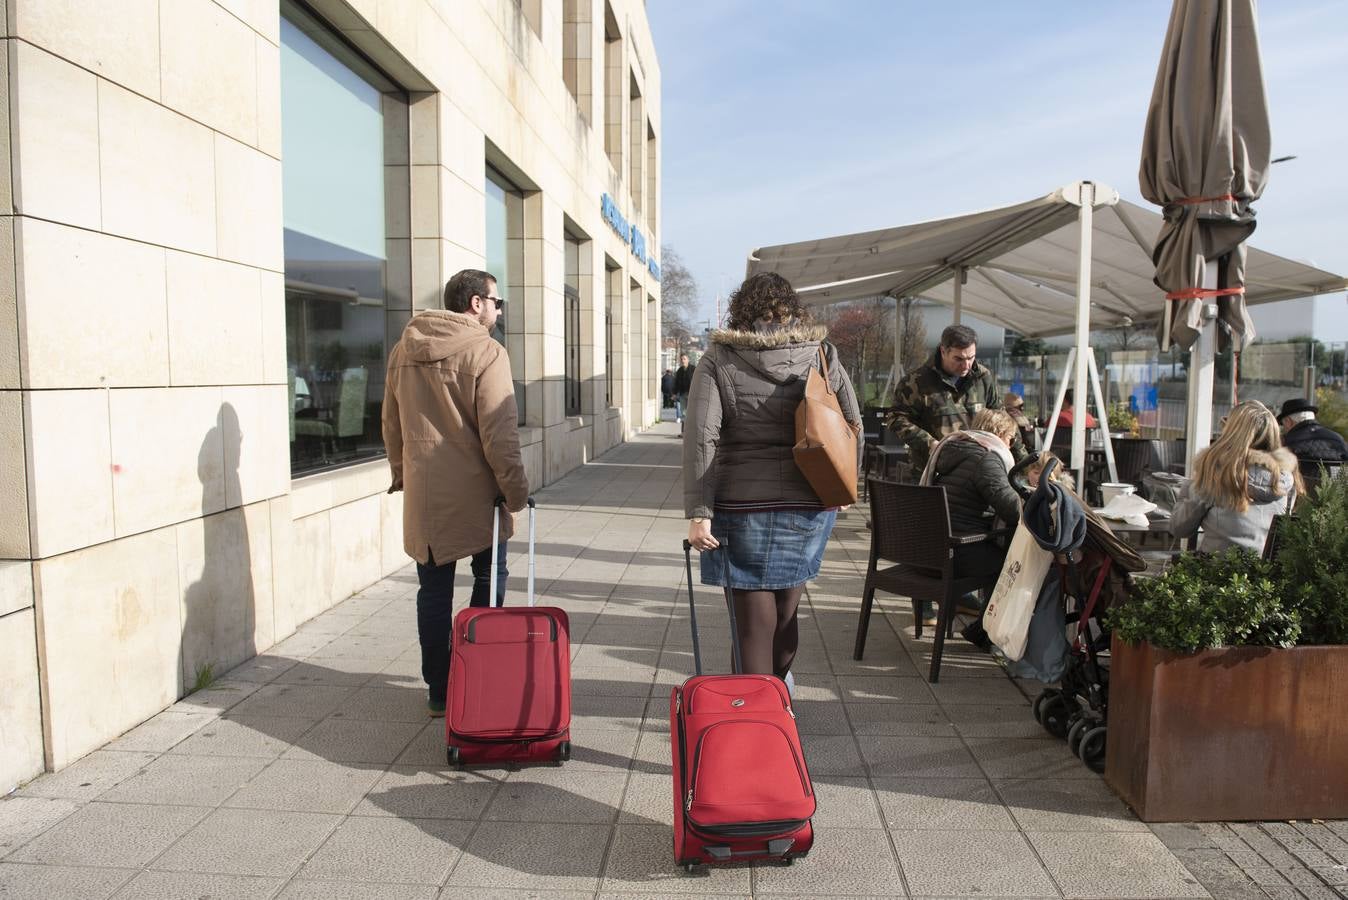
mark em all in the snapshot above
pixel 699 535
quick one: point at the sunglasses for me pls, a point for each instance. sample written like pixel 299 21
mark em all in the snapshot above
pixel 499 301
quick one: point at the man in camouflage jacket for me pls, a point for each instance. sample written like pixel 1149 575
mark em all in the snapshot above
pixel 942 396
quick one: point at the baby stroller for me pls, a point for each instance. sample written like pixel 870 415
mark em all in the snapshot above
pixel 1091 577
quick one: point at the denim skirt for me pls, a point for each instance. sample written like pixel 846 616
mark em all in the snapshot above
pixel 768 550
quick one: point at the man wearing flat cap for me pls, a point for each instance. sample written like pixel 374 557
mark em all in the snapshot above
pixel 1307 438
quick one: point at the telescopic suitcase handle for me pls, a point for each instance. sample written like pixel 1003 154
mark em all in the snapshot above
pixel 729 602
pixel 496 544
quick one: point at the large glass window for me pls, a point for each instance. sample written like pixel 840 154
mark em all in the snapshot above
pixel 505 260
pixel 338 113
pixel 571 297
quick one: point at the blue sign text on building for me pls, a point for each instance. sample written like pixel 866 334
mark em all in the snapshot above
pixel 630 234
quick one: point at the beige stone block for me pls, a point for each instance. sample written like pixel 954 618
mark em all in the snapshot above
pixel 108 637
pixel 394 557
pixel 273 301
pixel 9 308
pixel 6 148
pixel 225 570
pixel 455 257
pixel 463 212
pixel 423 125
pixel 269 97
pixel 20 700
pixel 396 22
pixel 324 490
pixel 282 531
pixel 398 200
pixel 119 41
pixel 213 305
pixel 14 536
pixel 248 223
pixel 256 443
pixel 69 469
pixel 425 201
pixel 156 172
pixel 398 126
pixel 209 66
pixel 428 284
pixel 168 455
pixel 54 120
pixel 93 309
pixel 398 274
pixel 357 561
pixel 462 150
pixel 263 16
pixel 16 585
pixel 311 567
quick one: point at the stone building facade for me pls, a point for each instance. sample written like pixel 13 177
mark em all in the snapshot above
pixel 215 217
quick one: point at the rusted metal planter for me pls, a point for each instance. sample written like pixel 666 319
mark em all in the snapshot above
pixel 1244 733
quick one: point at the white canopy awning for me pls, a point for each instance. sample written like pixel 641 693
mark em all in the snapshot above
pixel 1021 263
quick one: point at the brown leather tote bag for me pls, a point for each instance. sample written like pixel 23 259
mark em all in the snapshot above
pixel 826 445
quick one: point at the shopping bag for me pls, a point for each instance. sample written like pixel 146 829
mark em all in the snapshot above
pixel 1007 620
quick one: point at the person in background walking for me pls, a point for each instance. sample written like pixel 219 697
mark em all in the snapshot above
pixel 1312 442
pixel 453 446
pixel 683 380
pixel 667 389
pixel 1241 482
pixel 741 484
pixel 943 396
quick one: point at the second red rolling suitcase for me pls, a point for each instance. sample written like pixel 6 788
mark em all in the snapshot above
pixel 741 788
pixel 509 694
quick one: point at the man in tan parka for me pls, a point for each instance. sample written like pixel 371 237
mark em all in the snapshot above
pixel 450 428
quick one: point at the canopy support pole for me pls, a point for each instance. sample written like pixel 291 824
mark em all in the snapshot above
pixel 1083 333
pixel 1198 417
pixel 959 293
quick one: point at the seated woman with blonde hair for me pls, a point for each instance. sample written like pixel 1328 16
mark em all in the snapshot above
pixel 1240 483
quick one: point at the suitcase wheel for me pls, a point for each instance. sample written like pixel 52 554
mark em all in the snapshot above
pixel 690 867
pixel 563 751
pixel 787 860
pixel 454 757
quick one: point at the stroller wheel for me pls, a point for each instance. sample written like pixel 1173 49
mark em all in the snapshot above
pixel 1045 695
pixel 1056 712
pixel 1092 750
pixel 1077 726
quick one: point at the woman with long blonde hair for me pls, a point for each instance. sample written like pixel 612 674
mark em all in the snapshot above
pixel 1240 483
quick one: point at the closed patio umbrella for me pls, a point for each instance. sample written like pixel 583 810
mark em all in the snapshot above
pixel 1205 159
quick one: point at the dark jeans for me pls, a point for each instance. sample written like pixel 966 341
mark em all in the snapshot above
pixel 435 612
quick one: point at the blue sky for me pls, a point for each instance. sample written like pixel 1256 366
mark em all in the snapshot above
pixel 785 120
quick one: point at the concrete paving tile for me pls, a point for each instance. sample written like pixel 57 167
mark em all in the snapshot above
pixel 902 719
pixel 527 855
pixel 178 885
pixel 918 757
pixel 30 882
pixel 187 780
pixel 219 698
pixel 333 622
pixel 990 863
pixel 263 668
pixel 558 795
pixel 977 720
pixel 299 889
pixel 375 703
pixel 427 748
pixel 351 646
pixel 346 672
pixel 1067 805
pixel 820 717
pixel 817 688
pixel 653 752
pixel 610 681
pixel 1182 835
pixel 609 750
pixel 301 646
pixel 606 713
pixel 249 842
pixel 980 691
pixel 648 800
pixel 160 733
pixel 831 754
pixel 344 740
pixel 1046 758
pixel 23 818
pixel 845 803
pixel 298 701
pixel 599 656
pixel 306 785
pixel 642 861
pixel 410 792
pixel 1114 865
pixel 844 861
pixel 110 835
pixel 951 804
pixel 265 737
pixel 420 851
pixel 89 777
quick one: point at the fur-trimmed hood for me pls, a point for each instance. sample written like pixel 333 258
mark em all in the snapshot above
pixel 779 354
pixel 1270 474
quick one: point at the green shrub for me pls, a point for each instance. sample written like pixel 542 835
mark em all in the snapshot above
pixel 1121 418
pixel 1313 558
pixel 1208 601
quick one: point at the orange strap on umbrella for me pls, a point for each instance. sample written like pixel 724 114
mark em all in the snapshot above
pixel 1200 293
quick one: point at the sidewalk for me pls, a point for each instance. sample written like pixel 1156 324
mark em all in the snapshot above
pixel 314 772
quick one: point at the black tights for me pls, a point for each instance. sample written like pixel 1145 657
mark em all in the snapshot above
pixel 766 622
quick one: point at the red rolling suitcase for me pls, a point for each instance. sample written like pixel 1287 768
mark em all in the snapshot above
pixel 509 694
pixel 741 788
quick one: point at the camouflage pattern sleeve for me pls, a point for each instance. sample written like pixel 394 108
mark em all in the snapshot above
pixel 906 419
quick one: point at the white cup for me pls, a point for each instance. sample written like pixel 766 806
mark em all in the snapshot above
pixel 1109 490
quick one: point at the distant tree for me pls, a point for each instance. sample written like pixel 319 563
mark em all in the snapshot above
pixel 863 333
pixel 678 296
pixel 912 336
pixel 1025 347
